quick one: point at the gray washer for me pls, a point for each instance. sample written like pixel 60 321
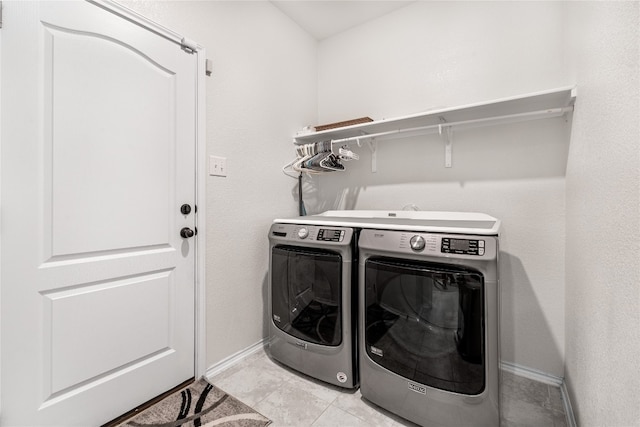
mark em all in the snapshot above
pixel 313 301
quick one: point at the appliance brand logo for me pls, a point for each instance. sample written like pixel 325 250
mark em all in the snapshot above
pixel 417 388
pixel 378 235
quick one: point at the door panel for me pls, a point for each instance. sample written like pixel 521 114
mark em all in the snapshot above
pixel 132 143
pixel 98 154
pixel 86 321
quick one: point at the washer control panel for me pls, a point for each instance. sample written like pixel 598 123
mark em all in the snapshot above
pixel 310 233
pixel 462 246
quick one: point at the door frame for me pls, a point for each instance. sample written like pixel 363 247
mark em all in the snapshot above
pixel 201 150
pixel 200 180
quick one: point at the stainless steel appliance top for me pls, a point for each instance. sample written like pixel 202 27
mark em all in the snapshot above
pixel 423 221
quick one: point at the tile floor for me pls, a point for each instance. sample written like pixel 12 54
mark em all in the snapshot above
pixel 289 398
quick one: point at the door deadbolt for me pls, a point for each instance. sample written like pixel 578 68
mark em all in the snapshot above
pixel 185 209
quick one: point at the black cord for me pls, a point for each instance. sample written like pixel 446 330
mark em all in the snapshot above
pixel 301 208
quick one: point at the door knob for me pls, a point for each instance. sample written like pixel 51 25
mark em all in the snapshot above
pixel 185 209
pixel 186 232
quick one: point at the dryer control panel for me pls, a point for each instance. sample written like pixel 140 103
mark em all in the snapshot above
pixel 458 246
pixel 462 246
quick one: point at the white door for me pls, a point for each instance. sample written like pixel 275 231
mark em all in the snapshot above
pixel 98 155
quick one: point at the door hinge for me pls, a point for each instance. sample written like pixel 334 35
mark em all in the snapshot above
pixel 188 46
pixel 208 67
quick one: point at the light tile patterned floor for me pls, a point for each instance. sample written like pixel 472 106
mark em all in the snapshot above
pixel 292 399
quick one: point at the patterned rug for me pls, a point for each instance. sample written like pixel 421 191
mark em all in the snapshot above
pixel 198 405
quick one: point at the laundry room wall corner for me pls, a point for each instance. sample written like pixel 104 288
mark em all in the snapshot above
pixel 603 214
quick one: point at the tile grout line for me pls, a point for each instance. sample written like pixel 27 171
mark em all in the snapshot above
pixel 318 417
pixel 351 413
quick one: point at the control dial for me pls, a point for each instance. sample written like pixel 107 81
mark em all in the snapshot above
pixel 303 233
pixel 417 243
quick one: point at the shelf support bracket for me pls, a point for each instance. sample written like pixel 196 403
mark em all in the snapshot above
pixel 448 145
pixel 373 146
pixel 447 134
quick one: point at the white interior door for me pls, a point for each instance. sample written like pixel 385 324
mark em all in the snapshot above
pixel 98 155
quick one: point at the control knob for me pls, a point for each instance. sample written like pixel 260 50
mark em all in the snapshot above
pixel 417 243
pixel 303 233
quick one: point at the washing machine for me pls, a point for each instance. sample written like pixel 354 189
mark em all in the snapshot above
pixel 313 300
pixel 428 318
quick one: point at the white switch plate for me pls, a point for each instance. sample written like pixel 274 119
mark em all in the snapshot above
pixel 217 166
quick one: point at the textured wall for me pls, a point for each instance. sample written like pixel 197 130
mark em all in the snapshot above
pixel 603 215
pixel 443 54
pixel 429 55
pixel 261 92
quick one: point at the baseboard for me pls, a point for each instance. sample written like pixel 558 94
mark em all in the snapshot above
pixel 568 409
pixel 532 374
pixel 235 358
pixel 543 377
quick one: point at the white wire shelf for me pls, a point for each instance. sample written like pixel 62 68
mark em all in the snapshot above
pixel 532 106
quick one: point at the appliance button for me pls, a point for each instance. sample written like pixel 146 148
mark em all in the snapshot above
pixel 303 233
pixel 481 243
pixel 417 243
pixel 481 251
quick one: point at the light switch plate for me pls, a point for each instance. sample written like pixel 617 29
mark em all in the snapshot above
pixel 217 166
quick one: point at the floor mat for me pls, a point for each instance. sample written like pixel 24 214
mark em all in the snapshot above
pixel 198 405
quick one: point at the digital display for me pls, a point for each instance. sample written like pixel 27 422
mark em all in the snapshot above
pixel 459 244
pixel 463 246
pixel 330 235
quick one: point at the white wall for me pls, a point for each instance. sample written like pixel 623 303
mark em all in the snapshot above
pixel 603 215
pixel 443 54
pixel 262 91
pixel 429 55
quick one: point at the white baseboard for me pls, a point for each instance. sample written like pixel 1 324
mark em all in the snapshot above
pixel 568 409
pixel 543 377
pixel 532 374
pixel 235 358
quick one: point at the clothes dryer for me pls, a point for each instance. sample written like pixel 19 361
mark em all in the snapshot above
pixel 429 348
pixel 313 301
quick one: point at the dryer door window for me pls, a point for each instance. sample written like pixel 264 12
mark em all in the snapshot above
pixel 306 288
pixel 425 322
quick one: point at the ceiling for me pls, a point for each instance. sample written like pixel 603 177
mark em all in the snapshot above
pixel 324 19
